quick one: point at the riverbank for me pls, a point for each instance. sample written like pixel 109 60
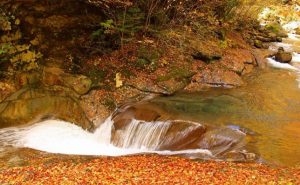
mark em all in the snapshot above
pixel 142 169
pixel 65 57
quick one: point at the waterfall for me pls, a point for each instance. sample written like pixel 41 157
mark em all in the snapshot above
pixel 103 133
pixel 55 136
pixel 142 135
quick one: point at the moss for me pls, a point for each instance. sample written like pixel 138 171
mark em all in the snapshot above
pixel 274 27
pixel 176 73
pixel 148 58
pixel 19 55
pixel 97 75
pixel 141 63
pixel 109 103
pixel 148 53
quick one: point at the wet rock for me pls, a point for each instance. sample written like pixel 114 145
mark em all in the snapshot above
pixel 297 31
pixel 282 56
pixel 222 140
pixel 182 135
pixel 29 105
pixel 282 34
pixel 272 37
pixel 258 44
pixel 263 39
pixel 278 39
pixel 123 117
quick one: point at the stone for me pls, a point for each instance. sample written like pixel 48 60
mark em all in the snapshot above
pixel 80 83
pixel 30 105
pixel 282 56
pixel 216 78
pixel 297 31
pixel 282 34
pixel 258 44
pixel 56 76
pixel 27 79
pixel 222 140
pixel 123 117
pixel 182 135
pixel 278 39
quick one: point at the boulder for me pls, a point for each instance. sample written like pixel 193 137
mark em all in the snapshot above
pixel 297 31
pixel 56 76
pixel 123 117
pixel 282 56
pixel 182 135
pixel 30 105
pixel 216 78
pixel 258 44
pixel 222 140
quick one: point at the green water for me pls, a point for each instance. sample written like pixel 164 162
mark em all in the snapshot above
pixel 268 105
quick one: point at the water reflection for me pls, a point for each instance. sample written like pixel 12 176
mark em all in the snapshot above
pixel 268 105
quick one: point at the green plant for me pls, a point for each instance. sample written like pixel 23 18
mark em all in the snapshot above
pixel 124 25
pixel 147 58
pixel 176 73
pixel 16 54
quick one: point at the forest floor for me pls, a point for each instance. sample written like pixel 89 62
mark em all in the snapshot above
pixel 143 169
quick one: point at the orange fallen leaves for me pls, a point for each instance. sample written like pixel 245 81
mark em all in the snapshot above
pixel 145 169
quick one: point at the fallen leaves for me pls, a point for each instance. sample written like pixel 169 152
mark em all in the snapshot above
pixel 144 169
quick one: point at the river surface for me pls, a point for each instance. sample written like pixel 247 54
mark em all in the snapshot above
pixel 267 108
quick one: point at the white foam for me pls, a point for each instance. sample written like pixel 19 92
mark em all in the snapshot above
pixel 279 65
pixel 291 26
pixel 55 136
pixel 294 37
pixel 296 57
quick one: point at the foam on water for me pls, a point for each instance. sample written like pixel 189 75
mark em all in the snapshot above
pixel 291 26
pixel 296 57
pixel 55 136
pixel 279 65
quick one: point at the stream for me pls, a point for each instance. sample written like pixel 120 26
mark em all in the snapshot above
pixel 261 118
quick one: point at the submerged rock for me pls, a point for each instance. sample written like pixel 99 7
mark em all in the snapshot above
pixel 29 105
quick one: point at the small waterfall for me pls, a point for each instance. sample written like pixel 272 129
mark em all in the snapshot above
pixel 103 133
pixel 142 135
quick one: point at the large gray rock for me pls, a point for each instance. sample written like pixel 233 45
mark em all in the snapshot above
pixel 31 105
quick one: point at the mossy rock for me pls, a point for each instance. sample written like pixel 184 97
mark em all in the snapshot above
pixel 56 76
pixel 30 105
